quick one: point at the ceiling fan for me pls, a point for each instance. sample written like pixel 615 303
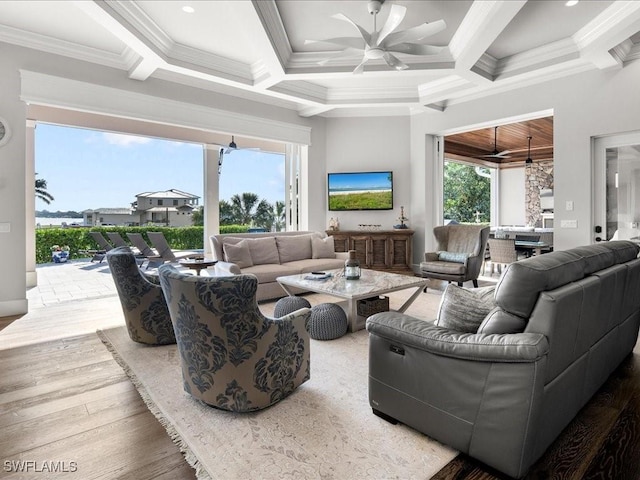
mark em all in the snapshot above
pixel 381 44
pixel 233 146
pixel 496 153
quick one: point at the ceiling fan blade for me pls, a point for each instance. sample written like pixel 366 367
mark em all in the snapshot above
pixel 347 52
pixel 394 62
pixel 396 15
pixel 415 49
pixel 360 68
pixel 416 33
pixel 347 42
pixel 365 35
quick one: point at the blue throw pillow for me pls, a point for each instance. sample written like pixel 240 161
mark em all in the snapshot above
pixel 454 257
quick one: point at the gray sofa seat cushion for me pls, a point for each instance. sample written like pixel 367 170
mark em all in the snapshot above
pixel 463 309
pixel 269 272
pixel 312 265
pixel 450 268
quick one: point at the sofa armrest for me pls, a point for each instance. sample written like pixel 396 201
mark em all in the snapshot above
pixel 423 335
pixel 227 268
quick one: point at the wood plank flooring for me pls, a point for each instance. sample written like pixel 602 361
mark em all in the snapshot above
pixel 67 402
pixel 64 399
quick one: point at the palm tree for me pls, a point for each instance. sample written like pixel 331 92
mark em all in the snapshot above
pixel 226 213
pixel 280 216
pixel 41 191
pixel 243 207
pixel 264 216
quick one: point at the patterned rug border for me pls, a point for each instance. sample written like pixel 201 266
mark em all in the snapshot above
pixel 190 457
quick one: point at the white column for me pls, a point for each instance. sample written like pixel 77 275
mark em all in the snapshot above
pixel 211 194
pixel 30 204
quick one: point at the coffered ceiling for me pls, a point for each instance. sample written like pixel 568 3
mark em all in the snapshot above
pixel 258 50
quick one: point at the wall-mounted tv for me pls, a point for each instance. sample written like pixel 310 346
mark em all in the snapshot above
pixel 360 191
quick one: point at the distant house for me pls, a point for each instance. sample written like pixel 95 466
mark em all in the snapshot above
pixel 171 208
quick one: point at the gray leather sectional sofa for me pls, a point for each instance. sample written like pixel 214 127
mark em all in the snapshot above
pixel 563 322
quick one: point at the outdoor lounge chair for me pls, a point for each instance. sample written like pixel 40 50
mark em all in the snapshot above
pixel 138 241
pixel 103 247
pixel 117 239
pixel 164 250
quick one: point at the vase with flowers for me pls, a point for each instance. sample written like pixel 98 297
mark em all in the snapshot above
pixel 60 254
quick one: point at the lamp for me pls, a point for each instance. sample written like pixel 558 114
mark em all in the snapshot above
pixel 352 267
pixel 528 160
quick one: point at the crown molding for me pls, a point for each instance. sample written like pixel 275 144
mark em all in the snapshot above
pixel 64 48
pixel 545 55
pixel 302 90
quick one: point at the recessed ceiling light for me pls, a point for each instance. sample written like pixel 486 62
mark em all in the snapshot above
pixel 571 3
pixel 188 9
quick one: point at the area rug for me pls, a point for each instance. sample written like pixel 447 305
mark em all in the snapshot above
pixel 324 430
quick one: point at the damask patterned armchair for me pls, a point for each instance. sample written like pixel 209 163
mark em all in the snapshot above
pixel 232 356
pixel 145 309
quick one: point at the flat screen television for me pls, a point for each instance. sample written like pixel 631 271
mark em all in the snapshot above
pixel 360 191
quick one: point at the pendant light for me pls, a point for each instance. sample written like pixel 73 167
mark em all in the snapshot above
pixel 528 160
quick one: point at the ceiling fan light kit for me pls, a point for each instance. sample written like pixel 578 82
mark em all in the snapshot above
pixel 383 43
pixel 529 160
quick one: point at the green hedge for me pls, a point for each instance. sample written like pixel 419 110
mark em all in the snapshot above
pixel 180 238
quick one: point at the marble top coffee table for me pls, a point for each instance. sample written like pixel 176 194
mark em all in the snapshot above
pixel 371 284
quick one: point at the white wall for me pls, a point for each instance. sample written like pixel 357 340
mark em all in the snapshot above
pixel 369 144
pixel 511 197
pixel 12 192
pixel 584 105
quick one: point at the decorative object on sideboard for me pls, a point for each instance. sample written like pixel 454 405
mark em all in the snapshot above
pixel 352 267
pixel 369 227
pixel 402 219
pixel 334 224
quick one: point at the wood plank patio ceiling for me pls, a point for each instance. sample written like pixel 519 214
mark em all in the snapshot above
pixel 474 146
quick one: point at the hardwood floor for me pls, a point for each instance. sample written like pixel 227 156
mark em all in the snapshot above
pixel 67 402
pixel 64 399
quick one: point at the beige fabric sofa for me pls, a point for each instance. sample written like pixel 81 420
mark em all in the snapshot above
pixel 271 255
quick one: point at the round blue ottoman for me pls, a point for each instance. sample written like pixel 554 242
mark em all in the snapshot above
pixel 328 321
pixel 288 305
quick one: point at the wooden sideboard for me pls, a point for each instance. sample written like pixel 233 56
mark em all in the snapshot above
pixel 387 250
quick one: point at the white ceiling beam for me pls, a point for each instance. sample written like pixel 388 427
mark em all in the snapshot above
pixel 480 27
pixel 612 27
pixel 150 56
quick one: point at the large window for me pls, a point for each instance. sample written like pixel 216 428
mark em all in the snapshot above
pixel 252 190
pixel 467 193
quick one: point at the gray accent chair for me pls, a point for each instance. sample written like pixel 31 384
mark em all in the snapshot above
pixel 563 323
pixel 232 356
pixel 459 254
pixel 145 309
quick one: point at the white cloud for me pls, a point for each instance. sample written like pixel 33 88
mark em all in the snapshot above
pixel 124 140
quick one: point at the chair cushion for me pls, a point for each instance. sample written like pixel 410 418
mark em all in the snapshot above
pixel 463 309
pixel 323 247
pixel 449 268
pixel 291 248
pixel 238 253
pixel 455 257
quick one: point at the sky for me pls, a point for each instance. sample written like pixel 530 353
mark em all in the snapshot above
pixel 90 169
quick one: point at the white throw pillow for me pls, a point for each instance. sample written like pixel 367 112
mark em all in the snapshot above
pixel 238 254
pixel 323 247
